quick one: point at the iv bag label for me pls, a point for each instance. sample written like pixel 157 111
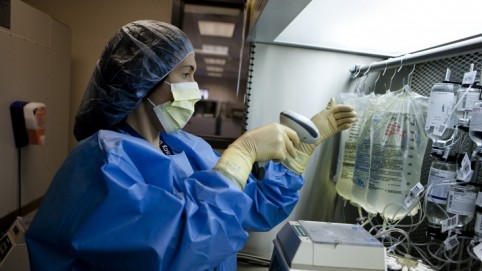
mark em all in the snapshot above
pixel 465 172
pixel 468 101
pixel 450 223
pixel 413 194
pixel 440 109
pixel 437 184
pixel 461 203
pixel 469 78
pixel 451 242
pixel 439 129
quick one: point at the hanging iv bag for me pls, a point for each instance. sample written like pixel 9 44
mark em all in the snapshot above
pixel 397 149
pixel 349 142
pixel 441 120
pixel 362 165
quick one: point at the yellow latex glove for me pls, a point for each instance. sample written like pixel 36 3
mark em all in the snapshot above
pixel 331 120
pixel 270 142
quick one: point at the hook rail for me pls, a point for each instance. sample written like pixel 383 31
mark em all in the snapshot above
pixel 453 49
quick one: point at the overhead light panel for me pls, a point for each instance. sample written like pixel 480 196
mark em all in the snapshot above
pixel 214 50
pixel 217 29
pixel 215 74
pixel 214 61
pixel 214 69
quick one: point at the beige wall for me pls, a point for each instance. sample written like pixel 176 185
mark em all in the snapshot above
pixel 34 67
pixel 92 24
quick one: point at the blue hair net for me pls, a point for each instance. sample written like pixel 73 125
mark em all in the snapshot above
pixel 134 61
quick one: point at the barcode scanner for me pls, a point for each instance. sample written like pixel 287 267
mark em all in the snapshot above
pixel 304 127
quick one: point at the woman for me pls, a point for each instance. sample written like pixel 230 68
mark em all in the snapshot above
pixel 138 193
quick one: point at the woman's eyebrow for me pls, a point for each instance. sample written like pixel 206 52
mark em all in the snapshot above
pixel 190 67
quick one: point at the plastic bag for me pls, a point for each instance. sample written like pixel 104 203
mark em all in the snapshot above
pixel 362 166
pixel 349 142
pixel 397 150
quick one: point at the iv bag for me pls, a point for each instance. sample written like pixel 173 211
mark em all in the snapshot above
pixel 397 150
pixel 362 165
pixel 441 122
pixel 348 143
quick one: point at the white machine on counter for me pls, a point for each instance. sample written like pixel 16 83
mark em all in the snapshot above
pixel 310 245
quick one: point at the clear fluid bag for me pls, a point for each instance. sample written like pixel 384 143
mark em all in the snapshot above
pixel 361 168
pixel 441 175
pixel 349 143
pixel 441 121
pixel 397 137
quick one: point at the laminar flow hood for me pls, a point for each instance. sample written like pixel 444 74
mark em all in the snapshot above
pixel 370 27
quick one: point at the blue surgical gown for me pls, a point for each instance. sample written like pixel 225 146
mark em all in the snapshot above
pixel 118 203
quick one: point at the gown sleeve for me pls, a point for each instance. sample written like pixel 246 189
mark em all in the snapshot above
pixel 119 204
pixel 273 197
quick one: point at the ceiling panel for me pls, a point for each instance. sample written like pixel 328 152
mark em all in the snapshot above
pixel 193 14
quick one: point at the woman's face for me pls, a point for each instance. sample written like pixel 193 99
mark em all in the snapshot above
pixel 184 72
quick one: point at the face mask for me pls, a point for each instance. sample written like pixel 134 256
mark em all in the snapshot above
pixel 173 116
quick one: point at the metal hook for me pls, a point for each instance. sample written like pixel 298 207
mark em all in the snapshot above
pixel 391 80
pixel 386 65
pixel 368 70
pixel 410 74
pixel 358 70
pixel 401 63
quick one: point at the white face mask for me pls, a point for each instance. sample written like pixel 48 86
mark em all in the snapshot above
pixel 173 116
